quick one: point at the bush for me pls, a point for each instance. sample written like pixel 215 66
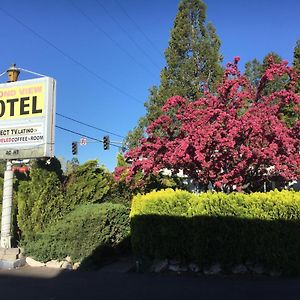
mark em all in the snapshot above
pixel 215 227
pixel 88 183
pixel 40 201
pixel 91 229
pixel 1 189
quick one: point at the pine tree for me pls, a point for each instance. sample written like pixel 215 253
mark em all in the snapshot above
pixel 280 81
pixel 296 63
pixel 192 61
pixel 255 69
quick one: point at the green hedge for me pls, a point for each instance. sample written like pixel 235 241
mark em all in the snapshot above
pixel 89 230
pixel 215 227
pixel 1 189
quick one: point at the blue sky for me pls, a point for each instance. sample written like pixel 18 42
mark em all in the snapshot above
pixel 106 54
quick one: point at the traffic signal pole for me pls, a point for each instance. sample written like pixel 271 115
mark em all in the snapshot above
pixel 5 241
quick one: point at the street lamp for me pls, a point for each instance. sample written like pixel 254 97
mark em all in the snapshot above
pixel 13 73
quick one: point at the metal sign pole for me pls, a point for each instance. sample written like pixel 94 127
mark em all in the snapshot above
pixel 5 241
pixel 6 206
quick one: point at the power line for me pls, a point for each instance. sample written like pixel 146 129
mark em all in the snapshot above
pixel 90 71
pixel 91 126
pixel 89 137
pixel 127 33
pixel 94 24
pixel 138 27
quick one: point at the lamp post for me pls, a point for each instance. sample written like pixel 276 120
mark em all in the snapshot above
pixel 13 73
pixel 5 241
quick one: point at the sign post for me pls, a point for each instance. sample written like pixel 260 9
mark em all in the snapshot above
pixel 27 118
pixel 5 241
pixel 6 206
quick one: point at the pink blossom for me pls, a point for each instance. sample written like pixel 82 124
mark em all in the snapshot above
pixel 232 138
pixel 236 59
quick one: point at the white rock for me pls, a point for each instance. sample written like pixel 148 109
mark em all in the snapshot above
pixel 34 263
pixel 178 268
pixel 160 265
pixel 76 265
pixel 213 270
pixel 174 262
pixel 239 269
pixel 194 267
pixel 249 264
pixel 68 259
pixel 66 265
pixel 275 273
pixel 55 264
pixel 257 269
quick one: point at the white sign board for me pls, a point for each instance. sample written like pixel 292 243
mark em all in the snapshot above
pixel 27 118
pixel 83 141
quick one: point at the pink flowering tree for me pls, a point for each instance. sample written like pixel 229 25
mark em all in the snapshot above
pixel 236 139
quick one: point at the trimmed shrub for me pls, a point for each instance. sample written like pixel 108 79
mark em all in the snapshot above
pixel 91 229
pixel 215 227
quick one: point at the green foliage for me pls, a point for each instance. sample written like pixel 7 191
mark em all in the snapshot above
pixel 192 58
pixel 122 191
pixel 2 167
pixel 173 203
pixel 121 162
pixel 119 192
pixel 88 183
pixel 40 200
pixel 296 63
pixel 279 82
pixel 50 165
pixel 216 227
pixel 90 229
pixel 71 166
pixel 58 219
pixel 254 71
pixel 157 182
pixel 1 189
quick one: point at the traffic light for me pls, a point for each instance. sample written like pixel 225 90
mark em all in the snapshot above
pixel 74 148
pixel 106 142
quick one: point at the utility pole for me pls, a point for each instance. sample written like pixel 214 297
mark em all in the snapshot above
pixel 5 241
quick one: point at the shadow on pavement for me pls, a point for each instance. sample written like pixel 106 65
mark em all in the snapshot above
pixel 50 284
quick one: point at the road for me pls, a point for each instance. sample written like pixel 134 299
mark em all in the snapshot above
pixel 50 284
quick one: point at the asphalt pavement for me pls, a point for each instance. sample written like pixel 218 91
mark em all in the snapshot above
pixel 51 284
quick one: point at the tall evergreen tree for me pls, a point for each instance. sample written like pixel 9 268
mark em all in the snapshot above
pixel 279 82
pixel 296 63
pixel 192 61
pixel 255 69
